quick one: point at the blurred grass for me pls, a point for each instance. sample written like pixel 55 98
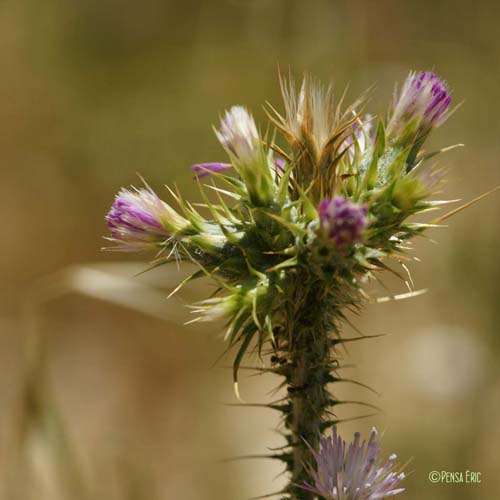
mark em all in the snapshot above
pixel 93 92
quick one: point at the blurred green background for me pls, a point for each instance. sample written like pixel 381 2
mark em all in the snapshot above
pixel 118 400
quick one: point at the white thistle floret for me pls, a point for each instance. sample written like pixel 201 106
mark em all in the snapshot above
pixel 238 134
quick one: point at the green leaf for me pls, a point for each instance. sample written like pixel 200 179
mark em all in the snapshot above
pixel 284 185
pixel 370 178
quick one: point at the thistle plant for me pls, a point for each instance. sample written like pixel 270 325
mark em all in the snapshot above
pixel 293 224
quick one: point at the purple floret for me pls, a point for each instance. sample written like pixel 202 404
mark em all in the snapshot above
pixel 135 219
pixel 204 169
pixel 342 221
pixel 424 99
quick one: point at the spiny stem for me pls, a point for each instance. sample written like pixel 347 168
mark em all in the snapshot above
pixel 308 371
pixel 310 400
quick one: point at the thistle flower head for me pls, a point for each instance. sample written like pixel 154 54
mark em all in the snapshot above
pixel 355 472
pixel 239 136
pixel 315 127
pixel 238 133
pixel 137 220
pixel 423 102
pixel 312 120
pixel 341 221
pixel 314 116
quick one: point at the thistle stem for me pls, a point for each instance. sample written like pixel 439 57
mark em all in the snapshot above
pixel 308 373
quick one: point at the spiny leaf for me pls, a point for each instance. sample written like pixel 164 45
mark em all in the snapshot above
pixel 293 228
pixel 370 177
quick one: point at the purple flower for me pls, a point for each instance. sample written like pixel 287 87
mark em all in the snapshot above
pixel 342 221
pixel 136 220
pixel 355 472
pixel 424 99
pixel 238 134
pixel 203 169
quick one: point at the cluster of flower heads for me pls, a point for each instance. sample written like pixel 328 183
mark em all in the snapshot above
pixel 355 472
pixel 140 220
pixel 343 182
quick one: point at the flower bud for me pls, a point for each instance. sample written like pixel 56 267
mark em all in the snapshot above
pixel 422 104
pixel 341 221
pixel 203 169
pixel 137 220
pixel 238 134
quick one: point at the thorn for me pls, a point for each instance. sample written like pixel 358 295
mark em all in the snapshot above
pixel 342 367
pixel 279 448
pixel 253 405
pixel 251 368
pixel 350 419
pixel 401 296
pixel 268 495
pixel 248 457
pixel 354 339
pixel 361 403
pixel 405 267
pixel 191 321
pixel 175 290
pixel 237 393
pixel 356 382
pixel 466 205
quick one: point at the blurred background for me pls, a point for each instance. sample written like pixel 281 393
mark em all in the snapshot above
pixel 104 392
